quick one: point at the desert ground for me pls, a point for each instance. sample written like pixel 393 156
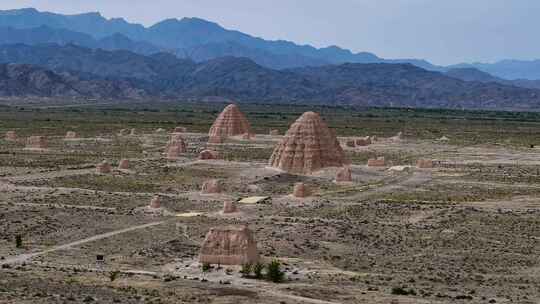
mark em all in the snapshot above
pixel 465 231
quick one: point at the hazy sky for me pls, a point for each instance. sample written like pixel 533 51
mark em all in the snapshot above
pixel 442 31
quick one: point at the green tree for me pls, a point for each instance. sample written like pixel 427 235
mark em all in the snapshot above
pixel 206 267
pixel 273 272
pixel 258 269
pixel 18 241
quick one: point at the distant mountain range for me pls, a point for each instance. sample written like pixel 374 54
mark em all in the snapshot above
pixel 52 55
pixel 28 80
pixel 507 69
pixel 46 35
pixel 473 74
pixel 70 70
pixel 199 40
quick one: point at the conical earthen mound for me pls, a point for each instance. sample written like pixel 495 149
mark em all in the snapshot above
pixel 309 145
pixel 230 122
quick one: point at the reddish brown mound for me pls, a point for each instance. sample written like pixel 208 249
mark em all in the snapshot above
pixel 424 163
pixel 211 186
pixel 344 175
pixel 175 146
pixel 230 122
pixel 174 139
pixel 155 202
pixel 376 162
pixel 208 154
pixel 247 136
pixel 103 167
pixel 229 207
pixel 229 246
pixel 351 143
pixel 36 142
pixel 123 164
pixel 11 136
pixel 309 145
pixel 301 190
pixel 174 152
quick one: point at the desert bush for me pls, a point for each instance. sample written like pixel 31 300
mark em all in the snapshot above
pixel 403 291
pixel 258 269
pixel 18 241
pixel 206 267
pixel 113 275
pixel 246 269
pixel 274 273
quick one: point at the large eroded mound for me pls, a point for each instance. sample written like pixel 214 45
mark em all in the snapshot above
pixel 308 146
pixel 230 122
pixel 229 246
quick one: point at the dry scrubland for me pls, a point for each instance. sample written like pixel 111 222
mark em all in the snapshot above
pixel 467 231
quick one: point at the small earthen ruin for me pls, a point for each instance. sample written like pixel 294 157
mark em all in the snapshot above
pixel 230 122
pixel 175 138
pixel 376 162
pixel 363 141
pixel 344 175
pixel 208 154
pixel 71 135
pixel 36 142
pixel 155 203
pixel 229 207
pixel 301 190
pixel 424 163
pixel 229 246
pixel 175 147
pixel 103 168
pixel 308 146
pixel 212 186
pixel 350 143
pixel 11 136
pixel 173 152
pixel 123 164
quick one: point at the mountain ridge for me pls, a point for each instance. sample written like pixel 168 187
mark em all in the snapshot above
pixel 198 39
pixel 165 76
pixel 184 34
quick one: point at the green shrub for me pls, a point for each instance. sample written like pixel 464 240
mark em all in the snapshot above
pixel 403 291
pixel 113 275
pixel 18 241
pixel 206 267
pixel 258 269
pixel 246 270
pixel 274 273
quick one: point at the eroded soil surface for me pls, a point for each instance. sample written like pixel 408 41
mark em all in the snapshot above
pixel 466 231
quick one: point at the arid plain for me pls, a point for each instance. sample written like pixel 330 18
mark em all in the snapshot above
pixel 466 230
